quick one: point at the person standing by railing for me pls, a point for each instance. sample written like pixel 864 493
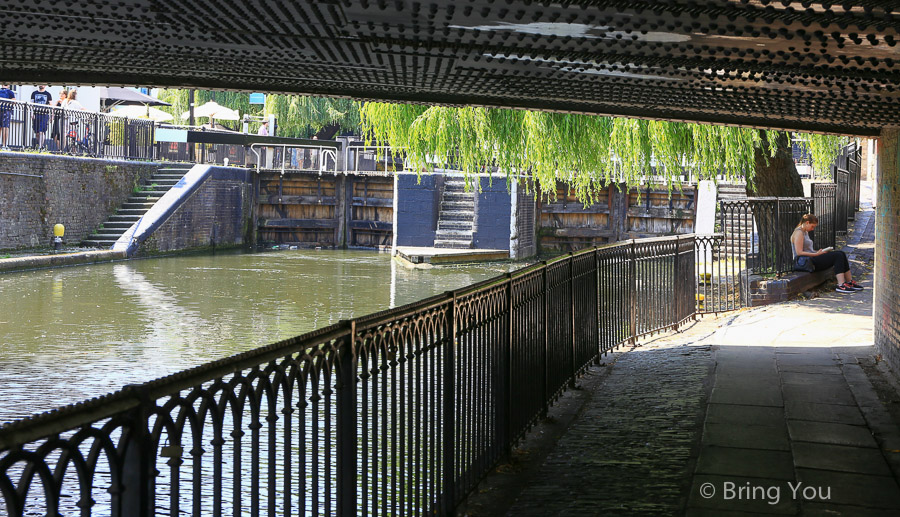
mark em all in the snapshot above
pixel 59 117
pixel 802 246
pixel 41 118
pixel 5 115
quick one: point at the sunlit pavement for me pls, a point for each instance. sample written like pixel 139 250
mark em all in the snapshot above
pixel 784 409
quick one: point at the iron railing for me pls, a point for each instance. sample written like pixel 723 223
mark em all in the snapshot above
pixel 398 412
pixel 77 132
pixel 295 157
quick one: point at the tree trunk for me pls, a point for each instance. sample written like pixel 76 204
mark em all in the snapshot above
pixel 777 175
pixel 328 132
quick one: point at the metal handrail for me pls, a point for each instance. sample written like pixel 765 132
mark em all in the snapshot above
pixel 340 366
pixel 324 152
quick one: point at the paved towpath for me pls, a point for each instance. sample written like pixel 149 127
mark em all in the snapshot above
pixel 783 409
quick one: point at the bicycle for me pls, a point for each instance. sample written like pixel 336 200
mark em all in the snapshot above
pixel 76 145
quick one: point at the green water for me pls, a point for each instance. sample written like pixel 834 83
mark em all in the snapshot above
pixel 74 333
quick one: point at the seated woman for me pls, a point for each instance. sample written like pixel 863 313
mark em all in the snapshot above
pixel 802 246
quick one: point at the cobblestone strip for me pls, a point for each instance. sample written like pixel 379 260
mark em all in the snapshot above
pixel 631 449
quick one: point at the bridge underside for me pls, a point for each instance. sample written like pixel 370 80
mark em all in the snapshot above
pixel 809 65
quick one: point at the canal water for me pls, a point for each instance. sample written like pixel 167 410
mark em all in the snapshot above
pixel 74 333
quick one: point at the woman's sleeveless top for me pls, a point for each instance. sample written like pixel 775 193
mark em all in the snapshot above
pixel 807 243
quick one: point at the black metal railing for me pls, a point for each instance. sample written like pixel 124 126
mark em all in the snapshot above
pixel 758 230
pixel 77 132
pixel 399 412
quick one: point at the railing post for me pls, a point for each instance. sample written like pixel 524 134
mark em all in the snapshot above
pixel 136 493
pixel 777 241
pixel 675 305
pixel 597 300
pixel 633 294
pixel 504 424
pixel 449 431
pixel 347 435
pixel 546 338
pixel 572 316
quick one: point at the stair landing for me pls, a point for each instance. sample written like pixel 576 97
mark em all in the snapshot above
pixel 430 255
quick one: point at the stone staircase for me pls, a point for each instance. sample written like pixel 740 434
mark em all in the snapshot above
pixel 456 221
pixel 135 207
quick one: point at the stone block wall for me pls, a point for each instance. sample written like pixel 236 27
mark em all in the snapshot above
pixel 417 206
pixel 886 304
pixel 218 215
pixel 40 190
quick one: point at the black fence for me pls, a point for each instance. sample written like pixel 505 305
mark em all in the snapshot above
pixel 757 231
pixel 76 132
pixel 399 412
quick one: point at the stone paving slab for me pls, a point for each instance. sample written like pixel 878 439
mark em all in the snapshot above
pixel 840 458
pixel 830 432
pixel 746 462
pixel 801 410
pixel 854 489
pixel 744 415
pixel 747 436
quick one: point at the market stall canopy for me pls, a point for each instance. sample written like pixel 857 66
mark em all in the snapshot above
pixel 126 96
pixel 142 112
pixel 213 110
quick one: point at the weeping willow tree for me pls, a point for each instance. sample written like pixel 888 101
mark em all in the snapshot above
pixel 586 152
pixel 822 149
pixel 304 117
pixel 298 116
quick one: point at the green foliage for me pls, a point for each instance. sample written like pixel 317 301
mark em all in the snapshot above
pixel 586 152
pixel 823 149
pixel 298 116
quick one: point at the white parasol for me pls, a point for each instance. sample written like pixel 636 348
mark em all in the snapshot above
pixel 213 110
pixel 147 112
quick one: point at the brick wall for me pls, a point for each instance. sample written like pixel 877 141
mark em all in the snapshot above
pixel 886 310
pixel 77 192
pixel 217 215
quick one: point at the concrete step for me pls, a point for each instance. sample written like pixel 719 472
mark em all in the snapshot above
pixel 166 177
pixel 106 235
pixel 172 170
pixel 132 211
pixel 138 205
pixel 165 182
pixel 457 205
pixel 453 235
pixel 457 215
pixel 458 196
pixel 455 225
pixel 156 192
pixel 91 243
pixel 124 218
pixel 446 243
pixel 117 225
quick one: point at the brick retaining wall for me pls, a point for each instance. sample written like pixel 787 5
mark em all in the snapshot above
pixel 217 215
pixel 40 190
pixel 886 310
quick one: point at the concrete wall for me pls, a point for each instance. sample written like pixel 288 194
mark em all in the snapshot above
pixel 218 215
pixel 39 190
pixel 886 304
pixel 492 215
pixel 417 206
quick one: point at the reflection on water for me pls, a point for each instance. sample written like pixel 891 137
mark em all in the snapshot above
pixel 75 333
